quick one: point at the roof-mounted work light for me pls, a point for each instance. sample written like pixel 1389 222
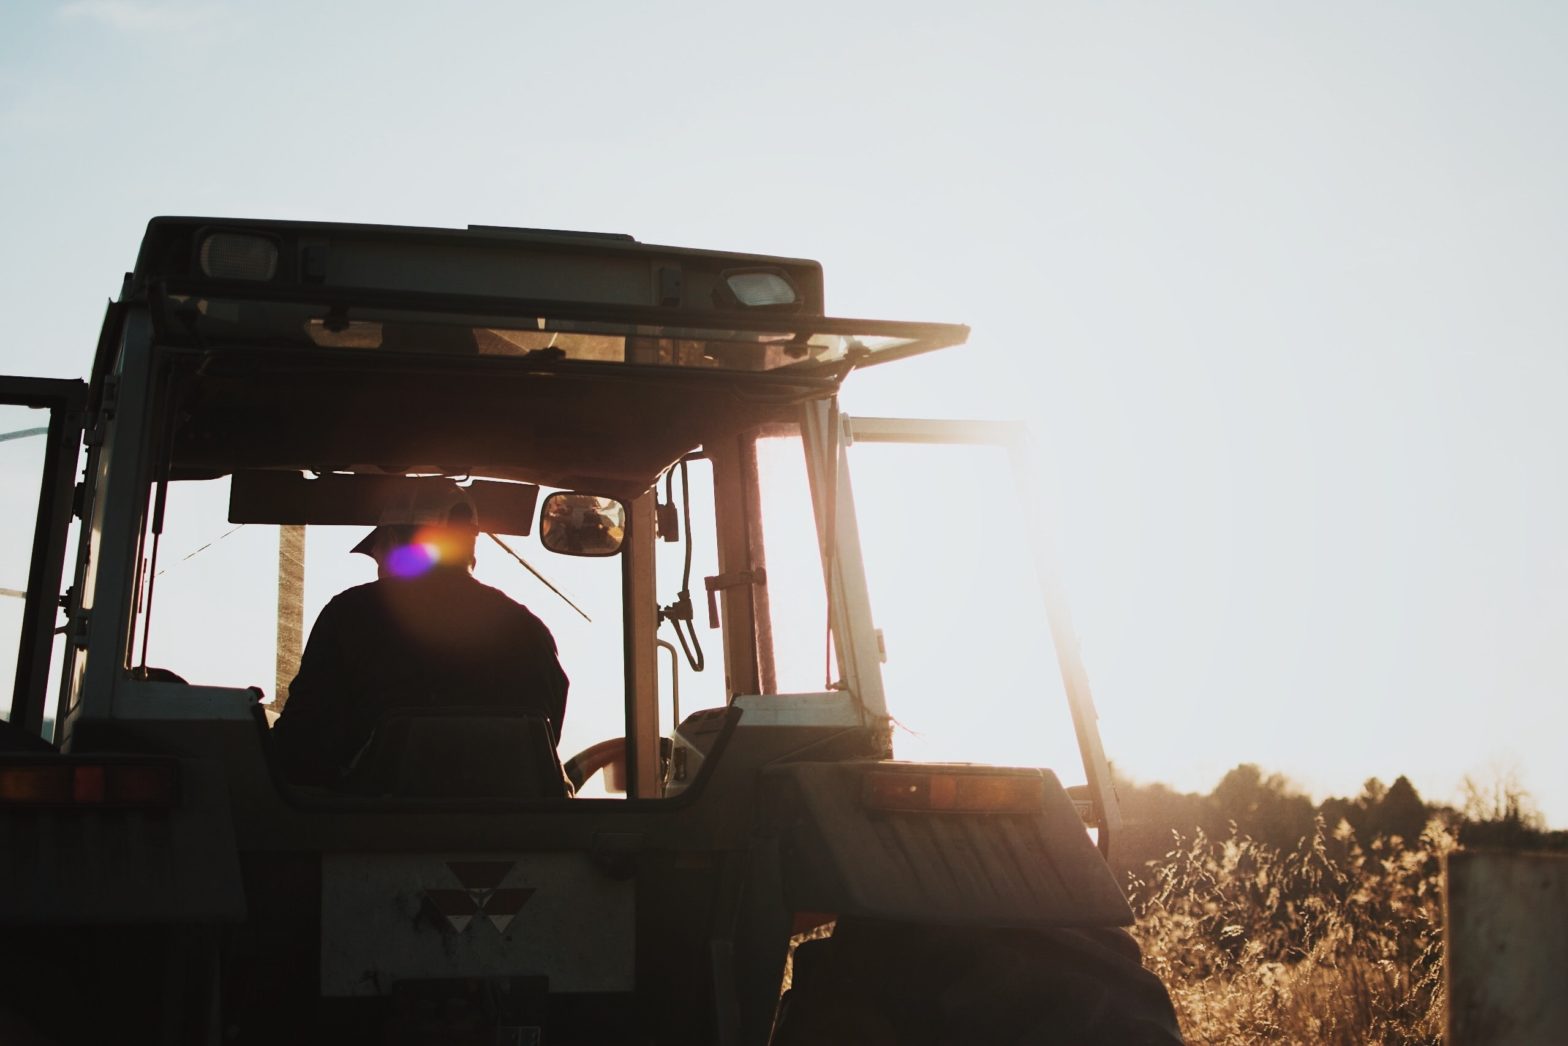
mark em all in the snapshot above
pixel 755 289
pixel 238 256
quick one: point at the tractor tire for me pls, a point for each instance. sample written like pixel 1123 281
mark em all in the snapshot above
pixel 897 984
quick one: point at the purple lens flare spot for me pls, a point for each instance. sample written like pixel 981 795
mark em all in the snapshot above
pixel 411 560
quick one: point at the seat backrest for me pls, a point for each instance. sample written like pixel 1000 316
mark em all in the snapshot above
pixel 453 753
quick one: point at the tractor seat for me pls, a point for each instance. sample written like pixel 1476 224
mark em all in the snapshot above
pixel 460 753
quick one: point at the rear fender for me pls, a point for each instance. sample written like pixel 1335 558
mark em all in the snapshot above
pixel 1017 863
pixel 129 863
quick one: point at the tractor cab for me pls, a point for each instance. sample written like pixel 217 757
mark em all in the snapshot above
pixel 651 443
pixel 288 375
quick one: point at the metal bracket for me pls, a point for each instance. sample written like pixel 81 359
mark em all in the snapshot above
pixel 734 579
pixel 78 629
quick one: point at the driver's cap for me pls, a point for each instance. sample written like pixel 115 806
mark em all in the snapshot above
pixel 425 503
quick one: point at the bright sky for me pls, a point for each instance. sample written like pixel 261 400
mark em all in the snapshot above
pixel 1277 287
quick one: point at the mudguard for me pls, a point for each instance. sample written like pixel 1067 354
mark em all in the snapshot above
pixel 84 866
pixel 840 853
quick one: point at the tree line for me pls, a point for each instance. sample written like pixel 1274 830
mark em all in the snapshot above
pixel 1268 808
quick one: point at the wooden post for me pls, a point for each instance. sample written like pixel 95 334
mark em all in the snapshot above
pixel 291 610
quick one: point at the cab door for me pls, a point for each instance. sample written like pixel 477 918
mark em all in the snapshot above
pixel 950 517
pixel 41 423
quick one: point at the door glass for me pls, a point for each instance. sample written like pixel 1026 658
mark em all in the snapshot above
pixel 797 598
pixel 22 442
pixel 971 673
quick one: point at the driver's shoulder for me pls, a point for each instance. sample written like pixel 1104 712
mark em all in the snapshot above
pixel 371 592
pixel 503 605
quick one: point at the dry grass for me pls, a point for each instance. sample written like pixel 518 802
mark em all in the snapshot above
pixel 1330 943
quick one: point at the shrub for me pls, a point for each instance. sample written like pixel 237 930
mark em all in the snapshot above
pixel 1330 942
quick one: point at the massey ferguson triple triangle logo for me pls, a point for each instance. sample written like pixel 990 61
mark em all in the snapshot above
pixel 481 894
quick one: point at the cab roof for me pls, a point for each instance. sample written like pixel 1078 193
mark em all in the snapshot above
pixel 576 359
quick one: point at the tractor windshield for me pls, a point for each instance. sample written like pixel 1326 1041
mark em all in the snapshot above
pixel 225 594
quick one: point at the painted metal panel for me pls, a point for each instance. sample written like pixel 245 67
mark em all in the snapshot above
pixel 966 869
pixel 1507 948
pixel 391 917
pixel 831 708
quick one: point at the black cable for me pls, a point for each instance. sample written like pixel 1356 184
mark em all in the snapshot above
pixel 681 609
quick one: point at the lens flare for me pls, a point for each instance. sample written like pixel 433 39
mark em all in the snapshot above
pixel 412 560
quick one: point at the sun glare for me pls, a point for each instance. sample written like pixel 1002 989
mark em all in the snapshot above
pixel 414 559
pixel 970 674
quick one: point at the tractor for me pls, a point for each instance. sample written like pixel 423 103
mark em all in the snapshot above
pixel 699 836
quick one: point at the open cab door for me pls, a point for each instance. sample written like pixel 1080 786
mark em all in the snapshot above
pixel 963 580
pixel 40 441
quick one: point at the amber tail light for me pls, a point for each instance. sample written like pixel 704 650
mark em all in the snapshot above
pixel 956 792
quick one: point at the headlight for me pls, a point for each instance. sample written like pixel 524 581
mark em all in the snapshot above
pixel 755 289
pixel 239 256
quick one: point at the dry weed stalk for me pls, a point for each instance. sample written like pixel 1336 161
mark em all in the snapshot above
pixel 1333 942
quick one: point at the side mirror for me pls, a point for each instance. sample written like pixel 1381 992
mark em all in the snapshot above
pixel 582 524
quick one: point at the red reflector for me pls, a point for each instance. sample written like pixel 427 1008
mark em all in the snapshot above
pixel 142 785
pixel 958 792
pixel 66 782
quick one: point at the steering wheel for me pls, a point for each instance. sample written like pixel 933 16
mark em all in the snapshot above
pixel 608 753
pixel 610 756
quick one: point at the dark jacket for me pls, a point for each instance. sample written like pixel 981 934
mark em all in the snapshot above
pixel 443 640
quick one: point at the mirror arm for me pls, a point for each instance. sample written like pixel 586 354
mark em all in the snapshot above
pixel 546 581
